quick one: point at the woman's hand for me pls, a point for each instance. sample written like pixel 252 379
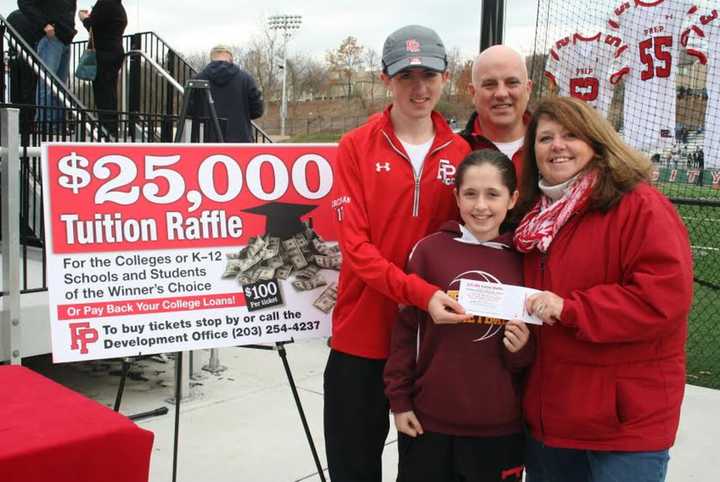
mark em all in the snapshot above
pixel 407 423
pixel 546 305
pixel 83 14
pixel 516 335
pixel 445 310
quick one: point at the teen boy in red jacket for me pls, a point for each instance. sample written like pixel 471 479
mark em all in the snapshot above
pixel 394 185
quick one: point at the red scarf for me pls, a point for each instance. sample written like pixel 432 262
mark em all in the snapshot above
pixel 539 227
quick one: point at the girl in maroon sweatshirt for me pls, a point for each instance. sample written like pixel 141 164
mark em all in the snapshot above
pixel 454 389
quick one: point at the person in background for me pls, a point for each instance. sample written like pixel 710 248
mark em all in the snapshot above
pixel 438 377
pixel 393 186
pixel 23 78
pixel 54 22
pixel 235 93
pixel 500 91
pixel 614 264
pixel 106 23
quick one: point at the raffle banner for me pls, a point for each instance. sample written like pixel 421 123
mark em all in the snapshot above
pixel 155 248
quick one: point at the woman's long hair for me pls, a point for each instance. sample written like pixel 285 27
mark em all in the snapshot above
pixel 619 166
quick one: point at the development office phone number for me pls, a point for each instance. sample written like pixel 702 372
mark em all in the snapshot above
pixel 276 329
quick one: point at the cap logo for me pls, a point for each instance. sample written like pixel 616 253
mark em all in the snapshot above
pixel 412 45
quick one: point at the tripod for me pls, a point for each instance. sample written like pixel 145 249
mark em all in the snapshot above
pixel 125 369
pixel 204 87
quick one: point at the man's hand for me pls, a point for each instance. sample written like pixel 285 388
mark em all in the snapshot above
pixel 83 14
pixel 407 423
pixel 516 335
pixel 49 30
pixel 445 310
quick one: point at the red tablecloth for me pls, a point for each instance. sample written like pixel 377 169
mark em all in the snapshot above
pixel 49 433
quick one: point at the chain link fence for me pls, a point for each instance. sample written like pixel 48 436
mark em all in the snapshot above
pixel 653 71
pixel 702 218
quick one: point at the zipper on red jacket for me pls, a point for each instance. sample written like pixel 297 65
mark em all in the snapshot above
pixel 417 176
pixel 416 194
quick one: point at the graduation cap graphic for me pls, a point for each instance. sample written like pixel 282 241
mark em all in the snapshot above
pixel 283 219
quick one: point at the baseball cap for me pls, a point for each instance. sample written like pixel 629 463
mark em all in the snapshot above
pixel 413 46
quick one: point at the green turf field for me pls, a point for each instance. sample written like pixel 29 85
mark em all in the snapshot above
pixel 703 223
pixel 689 191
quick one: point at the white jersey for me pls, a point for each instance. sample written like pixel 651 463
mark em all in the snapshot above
pixel 707 29
pixel 652 31
pixel 582 66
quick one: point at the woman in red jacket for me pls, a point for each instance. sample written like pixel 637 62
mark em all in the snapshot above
pixel 603 397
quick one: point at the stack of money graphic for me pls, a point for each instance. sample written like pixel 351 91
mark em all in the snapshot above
pixel 327 299
pixel 302 256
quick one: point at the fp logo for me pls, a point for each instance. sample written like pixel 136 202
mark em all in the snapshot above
pixel 81 335
pixel 382 166
pixel 412 45
pixel 446 172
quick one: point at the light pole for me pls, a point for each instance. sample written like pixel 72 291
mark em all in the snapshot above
pixel 286 24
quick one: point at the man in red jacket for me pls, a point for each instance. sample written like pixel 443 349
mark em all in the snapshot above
pixel 394 183
pixel 501 90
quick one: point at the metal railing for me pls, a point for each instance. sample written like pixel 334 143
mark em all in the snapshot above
pixel 23 72
pixel 145 92
pixel 151 79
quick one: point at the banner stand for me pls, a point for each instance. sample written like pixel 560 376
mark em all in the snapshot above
pixel 202 85
pixel 126 362
pixel 280 348
pixel 282 353
pixel 178 401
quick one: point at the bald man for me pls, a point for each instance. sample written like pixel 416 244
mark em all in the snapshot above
pixel 500 90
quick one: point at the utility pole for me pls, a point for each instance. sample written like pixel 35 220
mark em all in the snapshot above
pixel 286 24
pixel 492 23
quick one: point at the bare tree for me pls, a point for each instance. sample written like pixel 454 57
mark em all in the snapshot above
pixel 310 77
pixel 454 66
pixel 462 79
pixel 535 64
pixel 346 60
pixel 260 59
pixel 197 59
pixel 298 67
pixel 295 67
pixel 373 66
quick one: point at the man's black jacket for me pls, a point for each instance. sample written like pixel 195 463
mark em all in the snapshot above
pixel 58 13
